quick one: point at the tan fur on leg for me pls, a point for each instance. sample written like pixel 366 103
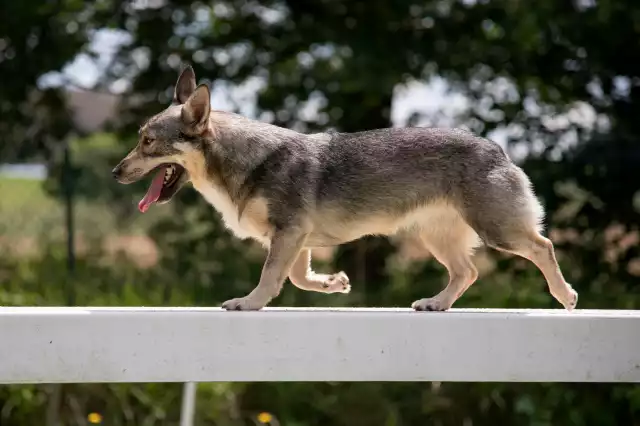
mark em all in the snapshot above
pixel 539 250
pixel 303 277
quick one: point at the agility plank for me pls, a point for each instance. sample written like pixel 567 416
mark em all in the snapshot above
pixel 74 345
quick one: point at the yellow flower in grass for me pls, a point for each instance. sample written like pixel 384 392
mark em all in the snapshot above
pixel 265 418
pixel 94 418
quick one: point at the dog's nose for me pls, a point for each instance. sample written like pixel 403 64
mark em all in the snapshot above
pixel 117 170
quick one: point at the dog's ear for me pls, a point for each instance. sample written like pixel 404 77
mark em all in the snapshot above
pixel 196 110
pixel 185 86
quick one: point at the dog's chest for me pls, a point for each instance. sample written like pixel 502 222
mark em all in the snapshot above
pixel 254 220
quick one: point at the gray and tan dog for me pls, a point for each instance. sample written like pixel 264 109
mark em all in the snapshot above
pixel 292 192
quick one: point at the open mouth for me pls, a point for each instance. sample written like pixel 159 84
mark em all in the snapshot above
pixel 163 186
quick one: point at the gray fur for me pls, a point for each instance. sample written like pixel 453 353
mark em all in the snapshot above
pixel 293 192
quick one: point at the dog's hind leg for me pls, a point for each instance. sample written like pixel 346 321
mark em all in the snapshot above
pixel 507 216
pixel 539 250
pixel 451 241
pixel 303 277
pixel 462 273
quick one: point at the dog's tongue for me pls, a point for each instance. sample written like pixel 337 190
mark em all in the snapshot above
pixel 153 193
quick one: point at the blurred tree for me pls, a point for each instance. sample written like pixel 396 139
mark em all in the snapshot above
pixel 36 38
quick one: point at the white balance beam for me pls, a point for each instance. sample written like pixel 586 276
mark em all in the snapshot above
pixel 72 345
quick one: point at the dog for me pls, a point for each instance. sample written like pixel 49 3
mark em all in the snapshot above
pixel 292 192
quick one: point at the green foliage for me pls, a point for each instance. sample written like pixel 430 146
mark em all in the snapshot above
pixel 36 37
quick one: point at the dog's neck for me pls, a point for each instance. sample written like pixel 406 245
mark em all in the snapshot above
pixel 232 156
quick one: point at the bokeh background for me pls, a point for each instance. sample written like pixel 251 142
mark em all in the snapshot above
pixel 557 83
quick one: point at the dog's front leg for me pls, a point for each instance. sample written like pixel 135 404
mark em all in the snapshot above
pixel 283 251
pixel 303 277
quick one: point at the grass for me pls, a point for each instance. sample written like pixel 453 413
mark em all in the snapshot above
pixel 30 219
pixel 28 211
pixel 18 194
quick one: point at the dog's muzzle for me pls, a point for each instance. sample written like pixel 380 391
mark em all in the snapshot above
pixel 117 171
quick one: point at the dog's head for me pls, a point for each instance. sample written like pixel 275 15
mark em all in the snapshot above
pixel 166 140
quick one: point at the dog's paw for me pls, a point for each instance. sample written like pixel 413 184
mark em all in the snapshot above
pixel 430 304
pixel 243 304
pixel 571 300
pixel 337 283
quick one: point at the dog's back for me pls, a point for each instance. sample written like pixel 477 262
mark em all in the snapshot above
pixel 389 178
pixel 406 167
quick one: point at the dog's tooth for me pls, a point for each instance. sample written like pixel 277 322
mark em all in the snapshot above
pixel 169 173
